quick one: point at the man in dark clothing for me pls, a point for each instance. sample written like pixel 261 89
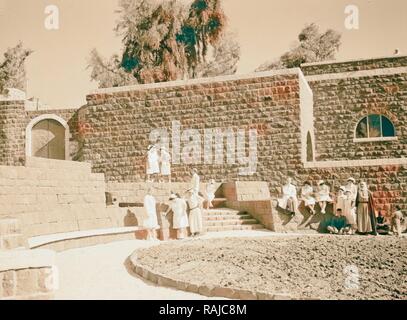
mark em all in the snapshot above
pixel 338 223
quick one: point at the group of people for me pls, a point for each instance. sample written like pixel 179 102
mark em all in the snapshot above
pixel 158 163
pixel 187 211
pixel 353 206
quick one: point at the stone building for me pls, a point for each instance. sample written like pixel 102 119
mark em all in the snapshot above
pixel 325 121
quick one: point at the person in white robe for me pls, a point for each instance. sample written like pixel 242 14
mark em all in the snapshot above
pixel 153 165
pixel 323 196
pixel 151 223
pixel 289 200
pixel 352 191
pixel 165 164
pixel 210 194
pixel 180 218
pixel 344 202
pixel 195 213
pixel 307 196
pixel 195 180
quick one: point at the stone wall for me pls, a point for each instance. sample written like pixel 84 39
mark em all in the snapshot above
pixel 122 119
pixel 50 196
pixel 340 102
pixel 14 119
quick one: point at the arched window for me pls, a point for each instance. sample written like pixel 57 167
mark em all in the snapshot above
pixel 375 127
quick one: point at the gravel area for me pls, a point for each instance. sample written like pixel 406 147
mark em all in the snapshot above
pixel 324 267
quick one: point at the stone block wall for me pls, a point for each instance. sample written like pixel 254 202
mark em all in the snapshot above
pixel 340 103
pixel 51 196
pixel 121 120
pixel 14 119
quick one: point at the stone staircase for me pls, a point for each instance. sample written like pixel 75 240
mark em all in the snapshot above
pixel 220 218
pixel 10 235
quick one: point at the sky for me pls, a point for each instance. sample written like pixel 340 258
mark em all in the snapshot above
pixel 57 70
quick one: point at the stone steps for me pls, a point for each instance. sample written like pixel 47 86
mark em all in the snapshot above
pixel 227 217
pixel 234 222
pixel 234 228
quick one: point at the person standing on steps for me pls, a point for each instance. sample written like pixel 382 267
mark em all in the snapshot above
pixel 210 194
pixel 165 159
pixel 153 166
pixel 195 213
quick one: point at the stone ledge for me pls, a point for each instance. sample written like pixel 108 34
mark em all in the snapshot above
pixel 40 241
pixel 26 259
pixel 202 289
pixel 355 163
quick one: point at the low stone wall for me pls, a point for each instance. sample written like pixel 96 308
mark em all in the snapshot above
pixel 202 289
pixel 28 274
pixel 51 196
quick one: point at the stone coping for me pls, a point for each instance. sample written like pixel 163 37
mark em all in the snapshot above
pixel 190 82
pixel 309 64
pixel 356 163
pixel 357 74
pixel 201 288
pixel 26 259
pixel 40 241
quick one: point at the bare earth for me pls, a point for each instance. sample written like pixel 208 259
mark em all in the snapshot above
pixel 303 267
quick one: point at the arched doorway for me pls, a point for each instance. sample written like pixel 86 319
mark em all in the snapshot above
pixel 47 137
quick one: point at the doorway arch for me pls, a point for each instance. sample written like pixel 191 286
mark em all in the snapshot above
pixel 47 136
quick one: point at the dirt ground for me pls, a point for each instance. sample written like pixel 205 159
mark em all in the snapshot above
pixel 324 267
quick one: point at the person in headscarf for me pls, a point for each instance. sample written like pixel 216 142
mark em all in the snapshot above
pixel 289 200
pixel 153 166
pixel 323 195
pixel 344 202
pixel 352 191
pixel 151 223
pixel 165 159
pixel 365 210
pixel 180 218
pixel 307 195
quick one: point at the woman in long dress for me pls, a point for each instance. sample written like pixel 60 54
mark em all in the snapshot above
pixel 323 196
pixel 180 219
pixel 165 163
pixel 151 223
pixel 307 193
pixel 365 211
pixel 210 194
pixel 195 213
pixel 153 165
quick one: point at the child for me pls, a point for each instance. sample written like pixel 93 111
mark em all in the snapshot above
pixel 396 219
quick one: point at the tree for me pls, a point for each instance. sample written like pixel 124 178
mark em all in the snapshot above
pixel 12 68
pixel 312 46
pixel 166 40
pixel 109 73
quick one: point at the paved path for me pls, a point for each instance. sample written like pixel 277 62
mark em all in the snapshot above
pixel 99 272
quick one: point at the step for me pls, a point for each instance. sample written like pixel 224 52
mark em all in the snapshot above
pixel 223 211
pixel 234 228
pixel 234 222
pixel 227 217
pixel 9 226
